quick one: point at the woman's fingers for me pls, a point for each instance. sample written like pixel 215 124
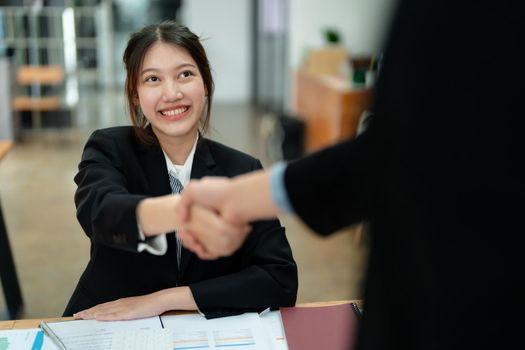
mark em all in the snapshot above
pixel 211 235
pixel 192 243
pixel 121 309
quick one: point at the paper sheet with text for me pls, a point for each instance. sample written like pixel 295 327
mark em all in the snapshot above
pixel 98 335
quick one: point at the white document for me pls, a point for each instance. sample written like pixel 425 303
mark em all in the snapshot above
pixel 31 339
pixel 97 335
pixel 158 339
pixel 237 332
pixel 273 324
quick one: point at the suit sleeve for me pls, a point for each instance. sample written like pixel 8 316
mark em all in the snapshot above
pixel 330 189
pixel 267 275
pixel 105 208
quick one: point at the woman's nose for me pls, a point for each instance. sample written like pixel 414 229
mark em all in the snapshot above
pixel 171 92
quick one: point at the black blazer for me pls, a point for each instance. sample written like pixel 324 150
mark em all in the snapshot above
pixel 440 176
pixel 115 173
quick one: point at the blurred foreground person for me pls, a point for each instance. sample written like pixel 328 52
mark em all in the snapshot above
pixel 438 173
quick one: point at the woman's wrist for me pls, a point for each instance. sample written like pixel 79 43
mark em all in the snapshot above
pixel 157 215
pixel 178 298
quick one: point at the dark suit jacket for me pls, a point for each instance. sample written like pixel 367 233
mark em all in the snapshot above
pixel 115 173
pixel 440 176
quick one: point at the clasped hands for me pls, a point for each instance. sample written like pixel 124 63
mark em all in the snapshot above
pixel 212 220
pixel 214 212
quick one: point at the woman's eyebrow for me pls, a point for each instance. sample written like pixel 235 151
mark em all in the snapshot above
pixel 152 69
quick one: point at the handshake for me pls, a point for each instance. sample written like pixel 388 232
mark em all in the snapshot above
pixel 214 213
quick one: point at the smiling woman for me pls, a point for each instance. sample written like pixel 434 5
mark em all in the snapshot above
pixel 127 198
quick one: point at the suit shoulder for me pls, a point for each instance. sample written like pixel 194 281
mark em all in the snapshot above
pixel 124 136
pixel 231 160
pixel 117 132
pixel 218 148
pixel 114 140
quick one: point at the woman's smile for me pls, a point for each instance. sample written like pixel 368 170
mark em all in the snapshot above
pixel 175 113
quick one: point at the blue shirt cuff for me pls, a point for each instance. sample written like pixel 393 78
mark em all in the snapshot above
pixel 278 189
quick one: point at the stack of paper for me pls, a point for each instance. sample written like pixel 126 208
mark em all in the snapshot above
pixel 246 331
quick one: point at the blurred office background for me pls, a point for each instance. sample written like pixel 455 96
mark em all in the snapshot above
pixel 291 76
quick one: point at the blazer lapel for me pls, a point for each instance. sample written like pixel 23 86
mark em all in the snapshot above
pixel 154 165
pixel 203 165
pixel 203 162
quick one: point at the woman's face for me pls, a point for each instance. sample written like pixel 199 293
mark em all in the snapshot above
pixel 171 92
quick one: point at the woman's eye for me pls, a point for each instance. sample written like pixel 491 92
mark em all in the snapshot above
pixel 152 79
pixel 186 74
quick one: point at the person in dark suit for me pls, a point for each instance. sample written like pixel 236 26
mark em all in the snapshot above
pixel 126 198
pixel 438 173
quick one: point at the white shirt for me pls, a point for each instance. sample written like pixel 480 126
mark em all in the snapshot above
pixel 158 245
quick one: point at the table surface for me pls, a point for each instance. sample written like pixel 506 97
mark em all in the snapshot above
pixel 33 323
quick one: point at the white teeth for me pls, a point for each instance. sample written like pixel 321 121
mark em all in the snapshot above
pixel 173 112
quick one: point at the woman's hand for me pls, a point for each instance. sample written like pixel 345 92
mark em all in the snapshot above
pixel 123 309
pixel 148 305
pixel 210 226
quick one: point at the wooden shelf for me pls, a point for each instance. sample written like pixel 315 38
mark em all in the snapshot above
pixel 26 103
pixel 43 75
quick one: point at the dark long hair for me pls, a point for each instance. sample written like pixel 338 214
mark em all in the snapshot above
pixel 169 32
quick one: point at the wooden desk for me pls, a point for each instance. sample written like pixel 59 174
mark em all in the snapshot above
pixel 30 323
pixel 330 109
pixel 8 276
pixel 33 323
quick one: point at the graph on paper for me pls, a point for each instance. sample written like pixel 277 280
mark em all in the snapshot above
pixel 191 340
pixel 233 337
pixel 236 332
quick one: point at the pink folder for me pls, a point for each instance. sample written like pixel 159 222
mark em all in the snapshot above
pixel 327 327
